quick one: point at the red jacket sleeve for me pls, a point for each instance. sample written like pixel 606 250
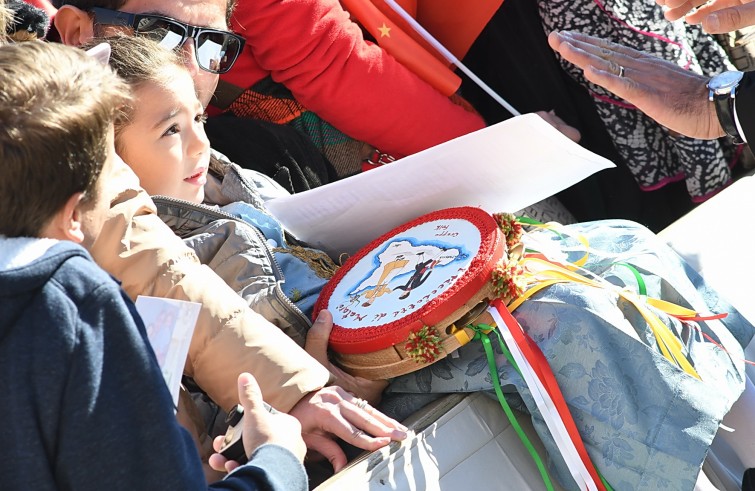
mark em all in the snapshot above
pixel 313 48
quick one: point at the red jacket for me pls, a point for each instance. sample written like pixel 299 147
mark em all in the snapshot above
pixel 312 48
pixel 44 5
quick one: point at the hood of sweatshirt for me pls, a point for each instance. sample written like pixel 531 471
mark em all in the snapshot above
pixel 16 252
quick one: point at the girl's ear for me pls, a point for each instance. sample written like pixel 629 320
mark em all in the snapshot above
pixel 66 224
pixel 74 25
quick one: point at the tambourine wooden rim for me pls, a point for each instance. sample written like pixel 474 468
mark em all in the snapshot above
pixel 470 287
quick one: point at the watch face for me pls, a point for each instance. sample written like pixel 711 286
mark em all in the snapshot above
pixel 725 80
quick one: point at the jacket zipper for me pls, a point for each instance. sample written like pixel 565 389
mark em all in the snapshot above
pixel 218 214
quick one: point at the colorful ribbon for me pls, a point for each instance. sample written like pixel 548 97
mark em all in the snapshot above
pixel 547 395
pixel 481 333
pixel 542 273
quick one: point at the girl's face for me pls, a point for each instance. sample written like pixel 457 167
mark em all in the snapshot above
pixel 165 143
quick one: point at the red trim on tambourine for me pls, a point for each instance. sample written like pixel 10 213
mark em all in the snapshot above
pixel 369 339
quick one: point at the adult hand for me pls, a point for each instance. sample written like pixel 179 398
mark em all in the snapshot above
pixel 674 97
pixel 570 132
pixel 260 427
pixel 334 413
pixel 715 16
pixel 317 347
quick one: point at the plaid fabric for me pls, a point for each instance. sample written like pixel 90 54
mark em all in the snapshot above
pixel 270 101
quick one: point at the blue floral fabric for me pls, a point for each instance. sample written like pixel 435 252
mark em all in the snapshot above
pixel 645 423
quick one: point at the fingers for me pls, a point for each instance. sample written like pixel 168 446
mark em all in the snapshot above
pixel 317 347
pixel 317 337
pixel 221 464
pixel 596 48
pixel 595 57
pixel 217 461
pixel 725 19
pixel 680 4
pixel 217 443
pixel 328 448
pixel 678 8
pixel 617 68
pixel 370 421
pixel 715 16
pixel 369 418
pixel 569 131
pixel 584 50
pixel 332 412
pixel 250 394
pixel 357 422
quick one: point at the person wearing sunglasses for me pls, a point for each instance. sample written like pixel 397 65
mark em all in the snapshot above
pixel 136 247
pixel 216 50
pixel 211 48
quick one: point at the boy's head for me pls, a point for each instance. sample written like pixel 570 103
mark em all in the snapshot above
pixel 160 133
pixel 57 107
pixel 77 23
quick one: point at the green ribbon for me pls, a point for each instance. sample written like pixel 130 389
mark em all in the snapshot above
pixel 641 288
pixel 480 334
pixel 528 221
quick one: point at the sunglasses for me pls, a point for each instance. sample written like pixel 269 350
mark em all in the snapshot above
pixel 216 50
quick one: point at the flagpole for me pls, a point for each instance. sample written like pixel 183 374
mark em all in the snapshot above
pixel 450 56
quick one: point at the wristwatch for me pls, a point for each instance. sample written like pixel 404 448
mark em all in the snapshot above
pixel 722 90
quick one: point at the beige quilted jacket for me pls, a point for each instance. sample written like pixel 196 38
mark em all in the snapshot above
pixel 141 251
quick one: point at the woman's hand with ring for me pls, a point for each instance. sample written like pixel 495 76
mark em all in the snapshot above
pixel 674 97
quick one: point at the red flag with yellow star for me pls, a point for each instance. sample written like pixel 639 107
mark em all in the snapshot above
pixel 402 46
pixel 455 23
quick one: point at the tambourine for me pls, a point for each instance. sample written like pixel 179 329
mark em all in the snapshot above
pixel 404 300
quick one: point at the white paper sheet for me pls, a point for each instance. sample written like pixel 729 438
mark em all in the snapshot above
pixel 170 325
pixel 504 167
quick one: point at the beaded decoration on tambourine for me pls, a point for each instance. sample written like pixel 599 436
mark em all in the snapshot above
pixel 403 301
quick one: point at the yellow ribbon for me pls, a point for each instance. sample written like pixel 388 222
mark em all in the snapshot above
pixel 560 230
pixel 542 273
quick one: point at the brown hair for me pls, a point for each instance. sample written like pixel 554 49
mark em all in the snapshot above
pixel 56 108
pixel 138 61
pixel 86 5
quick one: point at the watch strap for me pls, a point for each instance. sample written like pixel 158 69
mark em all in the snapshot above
pixel 724 104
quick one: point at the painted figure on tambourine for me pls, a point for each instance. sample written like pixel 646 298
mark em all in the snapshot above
pixel 421 272
pixel 405 263
pixel 384 281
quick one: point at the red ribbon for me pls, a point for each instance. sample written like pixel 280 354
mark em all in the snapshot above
pixel 540 366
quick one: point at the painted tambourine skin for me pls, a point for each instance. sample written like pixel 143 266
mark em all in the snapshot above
pixel 428 272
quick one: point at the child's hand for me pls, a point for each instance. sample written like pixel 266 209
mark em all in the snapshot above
pixel 317 347
pixel 260 427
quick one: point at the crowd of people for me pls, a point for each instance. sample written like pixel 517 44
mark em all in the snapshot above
pixel 112 189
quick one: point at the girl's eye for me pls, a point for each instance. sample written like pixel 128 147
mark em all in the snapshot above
pixel 172 130
pixel 201 118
